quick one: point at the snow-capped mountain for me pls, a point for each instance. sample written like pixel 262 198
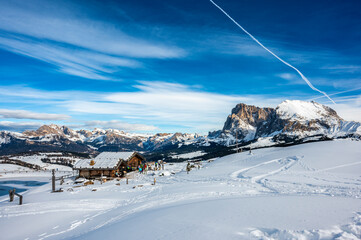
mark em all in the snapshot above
pixel 291 122
pixel 61 138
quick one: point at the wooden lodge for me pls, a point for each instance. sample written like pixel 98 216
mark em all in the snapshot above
pixel 109 164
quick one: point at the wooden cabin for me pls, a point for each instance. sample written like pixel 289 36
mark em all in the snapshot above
pixel 109 164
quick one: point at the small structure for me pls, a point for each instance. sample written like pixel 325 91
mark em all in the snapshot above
pixel 109 164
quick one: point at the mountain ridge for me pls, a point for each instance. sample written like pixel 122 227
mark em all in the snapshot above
pixel 291 122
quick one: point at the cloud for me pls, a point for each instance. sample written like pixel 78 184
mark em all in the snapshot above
pixel 348 112
pixel 287 76
pixel 19 126
pixel 157 103
pixel 73 61
pixel 22 114
pixel 14 92
pixel 76 45
pixel 115 124
pixel 163 105
pixel 342 68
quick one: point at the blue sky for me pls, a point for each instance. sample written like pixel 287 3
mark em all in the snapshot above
pixel 166 66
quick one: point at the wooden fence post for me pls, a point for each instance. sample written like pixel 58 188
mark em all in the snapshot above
pixel 12 194
pixel 53 180
pixel 20 198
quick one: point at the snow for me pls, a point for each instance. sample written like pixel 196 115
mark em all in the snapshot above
pixel 262 142
pixel 301 110
pixel 12 167
pixel 4 140
pixel 104 160
pixel 189 155
pixel 36 159
pixel 308 191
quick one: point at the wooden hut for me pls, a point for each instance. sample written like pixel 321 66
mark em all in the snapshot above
pixel 109 164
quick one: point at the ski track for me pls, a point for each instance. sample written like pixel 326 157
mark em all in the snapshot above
pixel 339 166
pixel 238 174
pixel 288 162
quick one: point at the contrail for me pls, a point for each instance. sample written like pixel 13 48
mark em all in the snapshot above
pixel 351 90
pixel 283 61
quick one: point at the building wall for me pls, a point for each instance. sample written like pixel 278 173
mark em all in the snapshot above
pixel 84 173
pixel 96 173
pixel 135 161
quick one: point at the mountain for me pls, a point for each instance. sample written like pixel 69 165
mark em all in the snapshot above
pixel 62 138
pixel 291 122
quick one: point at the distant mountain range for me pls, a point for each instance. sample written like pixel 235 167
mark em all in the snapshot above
pixel 291 122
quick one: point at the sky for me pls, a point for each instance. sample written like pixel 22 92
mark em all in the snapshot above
pixel 171 66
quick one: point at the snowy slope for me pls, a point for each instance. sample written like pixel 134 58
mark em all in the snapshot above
pixel 304 111
pixel 308 191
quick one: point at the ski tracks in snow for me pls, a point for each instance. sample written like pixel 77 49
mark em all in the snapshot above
pixel 261 179
pixel 286 163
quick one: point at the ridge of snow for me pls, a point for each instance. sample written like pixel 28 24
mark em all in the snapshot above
pixel 301 110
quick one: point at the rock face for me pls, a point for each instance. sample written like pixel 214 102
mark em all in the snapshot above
pixel 290 121
pixel 248 122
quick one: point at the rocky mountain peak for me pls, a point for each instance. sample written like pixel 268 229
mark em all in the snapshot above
pixel 247 114
pixel 292 119
pixel 44 130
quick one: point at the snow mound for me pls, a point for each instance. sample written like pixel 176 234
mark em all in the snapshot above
pixel 301 110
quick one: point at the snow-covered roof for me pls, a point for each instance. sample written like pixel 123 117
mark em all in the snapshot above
pixel 104 160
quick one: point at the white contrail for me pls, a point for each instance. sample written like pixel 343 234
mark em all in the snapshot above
pixel 286 63
pixel 350 90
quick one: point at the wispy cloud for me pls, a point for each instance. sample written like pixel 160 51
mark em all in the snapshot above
pixel 76 45
pixel 22 114
pixel 156 103
pixel 163 103
pixel 120 125
pixel 349 108
pixel 291 79
pixel 70 60
pixel 342 68
pixel 19 126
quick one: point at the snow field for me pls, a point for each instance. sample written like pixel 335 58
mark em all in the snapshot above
pixel 308 191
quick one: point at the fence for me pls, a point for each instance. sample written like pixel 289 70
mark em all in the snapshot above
pixel 39 171
pixel 21 163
